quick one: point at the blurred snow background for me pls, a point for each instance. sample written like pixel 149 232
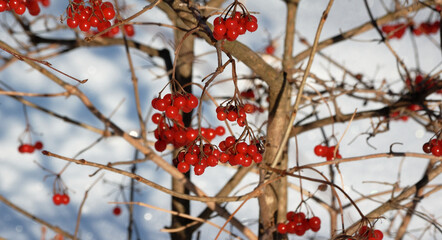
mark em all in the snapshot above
pixel 23 182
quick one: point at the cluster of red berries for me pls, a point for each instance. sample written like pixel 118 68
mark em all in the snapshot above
pixel 19 6
pixel 61 199
pixel 298 224
pixel 231 27
pixel 434 146
pixel 394 30
pixel 426 28
pixel 367 233
pixel 235 113
pixel 116 211
pixel 170 126
pixel 28 148
pixel 327 152
pixel 421 84
pixel 97 15
pixel 232 151
pixel 398 30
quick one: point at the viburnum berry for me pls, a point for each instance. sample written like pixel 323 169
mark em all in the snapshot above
pixel 116 211
pixel 20 9
pixel 3 6
pixel 57 199
pixel 315 223
pixel 282 228
pixel 183 167
pixel 38 145
pixel 65 199
pixel 26 148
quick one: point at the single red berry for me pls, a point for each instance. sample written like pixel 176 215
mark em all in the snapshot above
pixel 3 6
pixel 378 235
pixel 221 116
pixel 232 116
pixel 270 49
pixel 33 7
pixel 241 147
pixel 20 9
pixel 220 130
pixel 218 21
pixel 232 34
pixel 57 199
pixel 116 211
pixel 282 228
pixel 179 102
pixel 13 4
pixel 172 112
pixel 199 169
pixel 314 223
pixel 290 216
pixel 257 158
pixel 192 101
pixel 231 24
pixel 320 150
pixel 251 26
pixel 436 150
pixel 183 167
pixel 84 26
pixel 109 13
pixel 129 29
pixel 220 30
pixel 160 145
pixel 65 199
pixel 38 145
pixel 426 147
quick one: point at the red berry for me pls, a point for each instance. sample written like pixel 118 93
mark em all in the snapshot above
pixel 436 150
pixel 109 13
pixel 251 26
pixel 257 158
pixel 218 21
pixel 84 26
pixel 314 223
pixel 20 9
pixel 241 147
pixel 116 211
pixel 57 199
pixel 13 4
pixel 179 102
pixel 192 102
pixel 183 167
pixel 65 199
pixel 220 30
pixel 282 228
pixel 232 34
pixel 427 147
pixel 129 29
pixel 232 116
pixel 220 130
pixel 231 24
pixel 199 169
pixel 320 150
pixel 3 6
pixel 270 49
pixel 38 145
pixel 172 112
pixel 33 7
pixel 221 116
pixel 160 145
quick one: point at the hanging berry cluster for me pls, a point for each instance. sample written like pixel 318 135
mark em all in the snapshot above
pixel 170 126
pixel 422 83
pixel 426 28
pixel 327 152
pixel 367 233
pixel 29 148
pixel 59 199
pixel 94 13
pixel 398 30
pixel 298 224
pixel 20 6
pixel 434 146
pixel 234 23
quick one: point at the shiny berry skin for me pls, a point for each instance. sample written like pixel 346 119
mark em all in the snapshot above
pixel 220 130
pixel 172 112
pixel 65 199
pixel 436 150
pixel 199 169
pixel 232 116
pixel 3 6
pixel 183 167
pixel 109 13
pixel 57 199
pixel 116 211
pixel 160 145
pixel 221 116
pixel 192 101
pixel 251 26
pixel 426 147
pixel 84 26
pixel 315 223
pixel 20 9
pixel 320 150
pixel 282 228
pixel 72 22
pixel 220 30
